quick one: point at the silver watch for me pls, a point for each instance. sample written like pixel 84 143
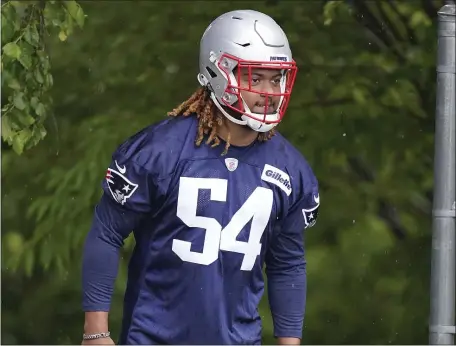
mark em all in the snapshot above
pixel 96 336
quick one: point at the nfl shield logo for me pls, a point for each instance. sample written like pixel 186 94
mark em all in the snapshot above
pixel 121 188
pixel 231 164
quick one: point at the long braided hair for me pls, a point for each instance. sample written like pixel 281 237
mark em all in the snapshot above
pixel 209 119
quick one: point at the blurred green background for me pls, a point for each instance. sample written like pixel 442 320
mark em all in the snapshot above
pixel 362 113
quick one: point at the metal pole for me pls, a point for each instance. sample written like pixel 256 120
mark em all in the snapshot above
pixel 442 313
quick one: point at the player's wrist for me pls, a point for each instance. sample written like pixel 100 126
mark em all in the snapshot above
pixel 96 322
pixel 288 341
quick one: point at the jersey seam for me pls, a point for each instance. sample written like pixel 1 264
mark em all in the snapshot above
pixel 141 284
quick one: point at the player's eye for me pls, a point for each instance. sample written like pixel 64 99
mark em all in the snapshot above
pixel 277 81
pixel 255 80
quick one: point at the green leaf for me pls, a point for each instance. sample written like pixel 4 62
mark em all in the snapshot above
pixel 14 242
pixel 76 12
pixel 7 131
pixel 419 18
pixel 38 76
pixel 42 130
pixel 358 95
pixel 18 101
pixel 14 84
pixel 31 36
pixel 7 29
pixel 329 11
pixel 44 61
pixel 12 50
pixel 11 15
pixel 62 36
pixel 40 110
pixel 48 80
pixel 36 136
pixel 34 102
pixel 68 25
pixel 25 59
pixel 19 5
pixel 20 140
pixel 25 118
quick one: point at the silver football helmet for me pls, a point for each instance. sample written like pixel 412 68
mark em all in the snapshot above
pixel 245 39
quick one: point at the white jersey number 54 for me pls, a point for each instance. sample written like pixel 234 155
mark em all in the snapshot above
pixel 257 208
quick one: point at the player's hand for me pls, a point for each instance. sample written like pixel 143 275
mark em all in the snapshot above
pixel 101 341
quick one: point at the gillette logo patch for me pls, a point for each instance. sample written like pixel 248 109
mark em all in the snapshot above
pixel 277 177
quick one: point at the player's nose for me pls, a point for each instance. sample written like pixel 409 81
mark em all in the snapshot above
pixel 266 98
pixel 267 88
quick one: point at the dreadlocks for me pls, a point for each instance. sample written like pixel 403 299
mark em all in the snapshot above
pixel 209 118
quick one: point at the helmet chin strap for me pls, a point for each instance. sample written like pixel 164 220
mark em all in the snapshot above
pixel 255 125
pixel 259 126
pixel 225 113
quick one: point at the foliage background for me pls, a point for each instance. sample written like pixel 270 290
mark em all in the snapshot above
pixel 362 113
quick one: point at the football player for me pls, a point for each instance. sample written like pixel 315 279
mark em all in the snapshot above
pixel 211 195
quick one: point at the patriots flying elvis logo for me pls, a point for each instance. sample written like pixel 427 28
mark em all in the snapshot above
pixel 311 215
pixel 121 188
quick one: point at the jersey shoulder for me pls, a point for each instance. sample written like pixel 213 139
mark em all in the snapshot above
pixel 158 147
pixel 287 157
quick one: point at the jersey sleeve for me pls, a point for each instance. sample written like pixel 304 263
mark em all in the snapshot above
pixel 286 265
pixel 128 195
pixel 128 184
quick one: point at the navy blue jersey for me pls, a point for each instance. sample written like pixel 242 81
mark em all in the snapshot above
pixel 204 225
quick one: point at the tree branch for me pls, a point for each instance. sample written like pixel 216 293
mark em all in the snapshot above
pixel 410 32
pixel 388 24
pixel 385 211
pixel 365 17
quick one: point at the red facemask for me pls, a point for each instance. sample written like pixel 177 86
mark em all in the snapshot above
pixel 289 71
